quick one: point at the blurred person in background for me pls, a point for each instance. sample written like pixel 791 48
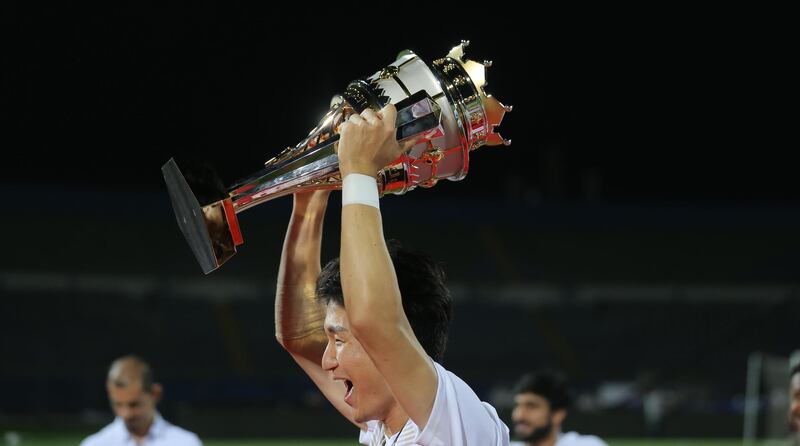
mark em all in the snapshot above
pixel 541 401
pixel 133 396
pixel 794 402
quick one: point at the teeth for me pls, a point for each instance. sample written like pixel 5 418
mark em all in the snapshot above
pixel 348 388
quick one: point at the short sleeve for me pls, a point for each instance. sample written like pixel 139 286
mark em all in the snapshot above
pixel 460 418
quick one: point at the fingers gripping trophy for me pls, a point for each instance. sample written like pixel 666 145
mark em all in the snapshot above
pixel 442 107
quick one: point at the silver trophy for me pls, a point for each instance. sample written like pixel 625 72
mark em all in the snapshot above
pixel 443 105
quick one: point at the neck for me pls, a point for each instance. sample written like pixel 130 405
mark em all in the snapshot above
pixel 139 436
pixel 395 420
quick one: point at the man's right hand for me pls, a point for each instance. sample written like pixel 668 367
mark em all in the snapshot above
pixel 369 142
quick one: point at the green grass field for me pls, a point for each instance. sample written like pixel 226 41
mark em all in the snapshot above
pixel 65 440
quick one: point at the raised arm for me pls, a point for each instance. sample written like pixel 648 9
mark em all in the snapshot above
pixel 298 316
pixel 372 296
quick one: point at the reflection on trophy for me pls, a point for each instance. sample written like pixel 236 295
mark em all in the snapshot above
pixel 442 105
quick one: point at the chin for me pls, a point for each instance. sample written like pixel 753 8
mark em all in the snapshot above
pixel 359 418
pixel 520 436
pixel 134 428
pixel 362 416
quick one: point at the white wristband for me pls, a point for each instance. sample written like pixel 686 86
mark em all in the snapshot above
pixel 360 189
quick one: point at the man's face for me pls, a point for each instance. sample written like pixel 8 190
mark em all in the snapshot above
pixel 533 420
pixel 134 405
pixel 794 403
pixel 363 387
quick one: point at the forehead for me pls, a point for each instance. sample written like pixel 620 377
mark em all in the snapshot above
pixel 336 317
pixel 795 382
pixel 529 398
pixel 128 393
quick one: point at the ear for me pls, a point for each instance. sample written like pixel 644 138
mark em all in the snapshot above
pixel 156 391
pixel 559 416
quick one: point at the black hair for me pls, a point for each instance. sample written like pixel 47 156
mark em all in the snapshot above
pixel 549 384
pixel 426 298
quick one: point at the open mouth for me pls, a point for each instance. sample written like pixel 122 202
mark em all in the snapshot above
pixel 349 393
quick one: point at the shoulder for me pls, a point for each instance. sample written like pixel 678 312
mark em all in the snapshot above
pixel 575 439
pixel 454 388
pixel 459 417
pixel 104 436
pixel 180 436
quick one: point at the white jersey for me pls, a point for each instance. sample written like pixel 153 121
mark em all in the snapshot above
pixel 162 433
pixel 572 439
pixel 458 418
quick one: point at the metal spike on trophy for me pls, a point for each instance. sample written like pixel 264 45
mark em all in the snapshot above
pixel 443 105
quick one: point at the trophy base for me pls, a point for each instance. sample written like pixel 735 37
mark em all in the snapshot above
pixel 204 212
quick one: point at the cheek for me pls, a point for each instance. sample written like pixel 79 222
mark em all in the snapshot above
pixel 344 357
pixel 351 353
pixel 539 416
pixel 358 365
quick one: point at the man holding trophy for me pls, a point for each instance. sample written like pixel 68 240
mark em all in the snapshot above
pixel 373 361
pixel 369 328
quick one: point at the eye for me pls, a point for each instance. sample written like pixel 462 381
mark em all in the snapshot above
pixel 338 341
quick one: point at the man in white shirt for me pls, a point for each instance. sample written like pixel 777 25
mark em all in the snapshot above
pixel 540 406
pixel 794 402
pixel 134 396
pixel 369 327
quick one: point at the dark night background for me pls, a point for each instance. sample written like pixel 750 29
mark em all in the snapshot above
pixel 655 107
pixel 651 179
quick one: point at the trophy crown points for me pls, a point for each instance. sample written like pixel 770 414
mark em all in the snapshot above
pixel 495 110
pixel 457 52
pixel 476 72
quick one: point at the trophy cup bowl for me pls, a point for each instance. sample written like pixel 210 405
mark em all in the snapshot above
pixel 443 105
